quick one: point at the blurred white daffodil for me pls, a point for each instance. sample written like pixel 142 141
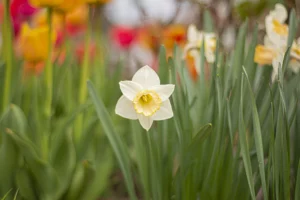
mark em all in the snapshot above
pixel 275 41
pixel 193 47
pixel 145 99
pixel 277 30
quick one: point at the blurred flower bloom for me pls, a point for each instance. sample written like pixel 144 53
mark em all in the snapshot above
pixel 20 11
pixel 46 3
pixel 34 44
pixel 275 42
pixel 123 36
pixel 40 20
pixel 174 34
pixel 145 99
pixel 277 30
pixel 76 20
pixel 193 47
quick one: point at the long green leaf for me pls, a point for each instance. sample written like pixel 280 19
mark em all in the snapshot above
pixel 114 139
pixel 258 138
pixel 244 146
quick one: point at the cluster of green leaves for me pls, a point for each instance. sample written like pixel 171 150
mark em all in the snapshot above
pixel 234 135
pixel 43 161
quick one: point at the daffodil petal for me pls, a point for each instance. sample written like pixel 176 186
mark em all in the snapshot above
pixel 130 89
pixel 125 108
pixel 192 33
pixel 146 122
pixel 164 91
pixel 279 13
pixel 146 77
pixel 165 111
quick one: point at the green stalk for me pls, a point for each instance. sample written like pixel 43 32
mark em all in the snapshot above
pixel 84 74
pixel 49 88
pixel 8 53
pixel 49 70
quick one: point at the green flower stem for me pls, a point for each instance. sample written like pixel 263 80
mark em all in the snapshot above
pixel 49 88
pixel 84 75
pixel 69 83
pixel 8 52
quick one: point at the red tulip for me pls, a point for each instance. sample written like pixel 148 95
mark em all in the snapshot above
pixel 20 11
pixel 123 36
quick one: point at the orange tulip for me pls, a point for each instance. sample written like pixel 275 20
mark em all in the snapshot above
pixel 174 34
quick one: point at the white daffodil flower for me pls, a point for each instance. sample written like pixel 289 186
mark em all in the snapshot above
pixel 145 99
pixel 277 30
pixel 275 41
pixel 193 47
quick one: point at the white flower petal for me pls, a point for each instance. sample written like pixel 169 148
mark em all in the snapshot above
pixel 164 91
pixel 146 77
pixel 279 13
pixel 146 122
pixel 125 108
pixel 192 33
pixel 130 89
pixel 165 112
pixel 210 56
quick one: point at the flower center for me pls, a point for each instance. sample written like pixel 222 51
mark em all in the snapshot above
pixel 147 102
pixel 281 29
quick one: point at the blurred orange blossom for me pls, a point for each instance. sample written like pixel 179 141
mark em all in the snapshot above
pixel 173 34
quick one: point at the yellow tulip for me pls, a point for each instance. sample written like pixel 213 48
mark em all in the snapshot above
pixel 34 43
pixel 46 3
